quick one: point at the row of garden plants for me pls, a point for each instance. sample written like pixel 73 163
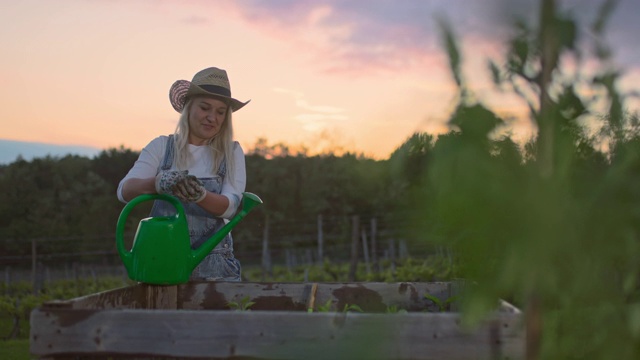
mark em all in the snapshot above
pixel 412 269
pixel 245 304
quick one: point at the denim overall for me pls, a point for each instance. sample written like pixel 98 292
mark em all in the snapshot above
pixel 220 264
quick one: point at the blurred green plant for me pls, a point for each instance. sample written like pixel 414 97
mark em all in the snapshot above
pixel 553 225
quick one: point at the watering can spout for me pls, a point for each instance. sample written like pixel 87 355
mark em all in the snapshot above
pixel 249 201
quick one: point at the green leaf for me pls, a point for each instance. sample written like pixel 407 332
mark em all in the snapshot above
pixel 436 301
pixel 351 307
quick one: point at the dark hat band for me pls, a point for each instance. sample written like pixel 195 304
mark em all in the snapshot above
pixel 215 89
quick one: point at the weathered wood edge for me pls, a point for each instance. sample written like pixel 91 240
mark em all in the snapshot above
pixel 272 334
pixel 139 296
pixel 197 298
pixel 372 297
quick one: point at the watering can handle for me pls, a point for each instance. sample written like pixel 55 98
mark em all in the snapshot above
pixel 124 253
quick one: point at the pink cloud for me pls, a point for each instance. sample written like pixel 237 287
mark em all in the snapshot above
pixel 342 39
pixel 356 38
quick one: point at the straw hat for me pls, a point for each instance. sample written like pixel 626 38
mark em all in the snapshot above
pixel 208 82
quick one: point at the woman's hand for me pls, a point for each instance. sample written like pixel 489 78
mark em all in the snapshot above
pixel 167 180
pixel 190 189
pixel 180 184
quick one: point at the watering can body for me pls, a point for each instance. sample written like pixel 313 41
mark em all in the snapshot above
pixel 161 251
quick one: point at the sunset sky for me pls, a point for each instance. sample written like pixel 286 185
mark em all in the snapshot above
pixel 357 75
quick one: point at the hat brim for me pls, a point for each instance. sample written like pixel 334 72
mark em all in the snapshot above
pixel 181 90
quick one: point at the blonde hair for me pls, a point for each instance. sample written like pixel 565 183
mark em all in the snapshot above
pixel 221 145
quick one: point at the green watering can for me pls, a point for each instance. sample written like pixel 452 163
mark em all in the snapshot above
pixel 161 252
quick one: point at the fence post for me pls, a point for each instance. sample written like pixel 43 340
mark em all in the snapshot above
pixel 392 254
pixel 403 250
pixel 365 251
pixel 266 254
pixel 374 246
pixel 355 232
pixel 288 259
pixel 39 277
pixel 34 270
pixel 76 277
pixel 320 240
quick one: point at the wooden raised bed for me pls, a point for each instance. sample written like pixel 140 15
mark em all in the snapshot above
pixel 194 321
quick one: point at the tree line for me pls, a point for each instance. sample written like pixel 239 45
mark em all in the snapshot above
pixel 67 197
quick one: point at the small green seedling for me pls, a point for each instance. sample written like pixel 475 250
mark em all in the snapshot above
pixel 243 305
pixel 442 305
pixel 351 307
pixel 394 309
pixel 326 307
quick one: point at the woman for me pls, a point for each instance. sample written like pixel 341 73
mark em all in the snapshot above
pixel 200 164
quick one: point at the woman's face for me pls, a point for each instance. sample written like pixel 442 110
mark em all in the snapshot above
pixel 206 117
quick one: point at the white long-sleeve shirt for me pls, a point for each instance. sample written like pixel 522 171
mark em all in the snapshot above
pixel 151 156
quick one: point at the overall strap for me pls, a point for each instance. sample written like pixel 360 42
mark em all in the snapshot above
pixel 168 154
pixel 222 170
pixel 165 164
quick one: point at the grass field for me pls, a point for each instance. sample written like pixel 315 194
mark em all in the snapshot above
pixel 15 349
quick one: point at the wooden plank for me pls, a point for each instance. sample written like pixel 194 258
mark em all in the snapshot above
pixel 271 335
pixel 371 297
pixel 161 297
pixel 140 296
pixel 378 297
pixel 126 297
pixel 267 296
